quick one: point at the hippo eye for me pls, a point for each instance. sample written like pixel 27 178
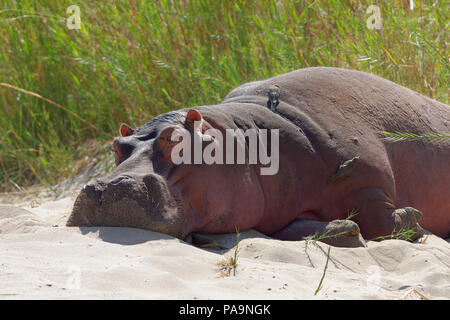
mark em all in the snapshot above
pixel 150 136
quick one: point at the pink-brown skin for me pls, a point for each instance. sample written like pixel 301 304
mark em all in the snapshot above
pixel 326 116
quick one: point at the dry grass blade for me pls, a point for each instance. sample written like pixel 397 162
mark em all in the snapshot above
pixel 410 295
pixel 7 85
pixel 230 263
pixel 225 266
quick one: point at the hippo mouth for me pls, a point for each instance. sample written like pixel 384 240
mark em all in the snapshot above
pixel 141 202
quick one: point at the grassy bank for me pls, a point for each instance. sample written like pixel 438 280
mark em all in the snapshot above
pixel 135 59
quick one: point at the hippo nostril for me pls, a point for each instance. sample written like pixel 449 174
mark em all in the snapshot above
pixel 120 179
pixel 93 189
pixel 89 188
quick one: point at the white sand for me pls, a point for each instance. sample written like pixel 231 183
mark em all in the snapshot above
pixel 42 259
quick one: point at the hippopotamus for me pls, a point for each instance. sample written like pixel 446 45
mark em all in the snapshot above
pixel 332 162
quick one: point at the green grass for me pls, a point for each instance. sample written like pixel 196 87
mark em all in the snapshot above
pixel 329 233
pixel 135 59
pixel 319 287
pixel 234 259
pixel 402 234
pixel 229 263
pixel 405 136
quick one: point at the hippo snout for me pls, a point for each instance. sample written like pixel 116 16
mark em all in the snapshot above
pixel 127 201
pixel 93 190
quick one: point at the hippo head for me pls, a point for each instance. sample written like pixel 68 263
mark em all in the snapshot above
pixel 147 190
pixel 137 192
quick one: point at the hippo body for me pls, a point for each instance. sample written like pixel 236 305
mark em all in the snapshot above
pixel 332 161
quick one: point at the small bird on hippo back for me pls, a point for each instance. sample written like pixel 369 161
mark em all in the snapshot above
pixel 274 97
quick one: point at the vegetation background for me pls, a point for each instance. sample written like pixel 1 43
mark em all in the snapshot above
pixel 131 60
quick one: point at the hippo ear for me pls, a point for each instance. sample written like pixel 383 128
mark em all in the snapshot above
pixel 126 130
pixel 191 117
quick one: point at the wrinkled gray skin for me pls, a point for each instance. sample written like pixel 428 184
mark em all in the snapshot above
pixel 326 117
pixel 132 195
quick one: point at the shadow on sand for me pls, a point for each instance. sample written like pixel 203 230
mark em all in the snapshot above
pixel 132 236
pixel 124 236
